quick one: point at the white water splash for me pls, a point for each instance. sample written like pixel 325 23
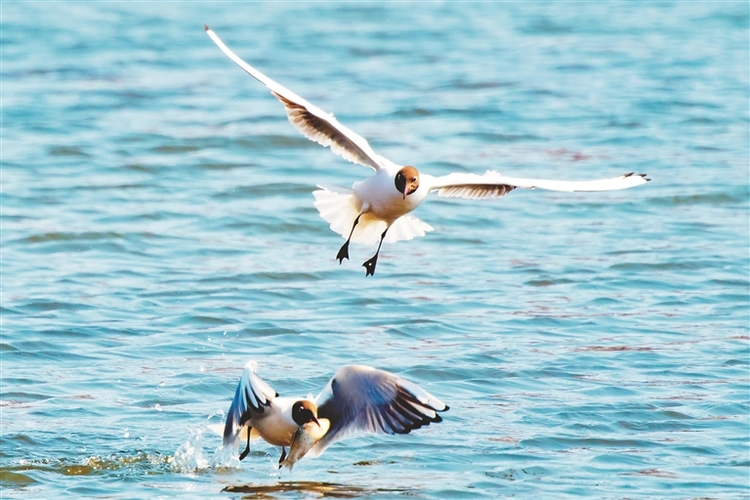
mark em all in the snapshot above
pixel 190 458
pixel 225 457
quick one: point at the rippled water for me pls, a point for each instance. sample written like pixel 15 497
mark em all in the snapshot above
pixel 158 231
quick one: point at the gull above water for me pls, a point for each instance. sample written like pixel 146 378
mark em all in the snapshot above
pixel 358 399
pixel 377 208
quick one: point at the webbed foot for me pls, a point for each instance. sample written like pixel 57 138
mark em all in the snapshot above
pixel 343 252
pixel 370 265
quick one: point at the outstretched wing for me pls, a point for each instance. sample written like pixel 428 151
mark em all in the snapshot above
pixel 251 397
pixel 313 122
pixel 493 185
pixel 364 399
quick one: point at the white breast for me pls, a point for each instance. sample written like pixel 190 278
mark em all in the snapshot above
pixel 275 425
pixel 380 197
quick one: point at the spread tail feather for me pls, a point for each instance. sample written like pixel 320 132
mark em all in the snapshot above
pixel 407 227
pixel 339 207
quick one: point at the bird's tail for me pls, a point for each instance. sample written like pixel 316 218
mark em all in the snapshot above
pixel 339 207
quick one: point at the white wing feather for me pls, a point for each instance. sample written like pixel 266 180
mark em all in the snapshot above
pixel 365 399
pixel 313 122
pixel 251 396
pixel 493 185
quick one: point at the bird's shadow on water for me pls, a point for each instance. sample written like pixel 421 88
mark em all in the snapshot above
pixel 313 488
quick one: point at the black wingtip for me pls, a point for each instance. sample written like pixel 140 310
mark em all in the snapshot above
pixel 637 175
pixel 205 27
pixel 446 408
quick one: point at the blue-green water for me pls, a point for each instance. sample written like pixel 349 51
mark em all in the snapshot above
pixel 158 231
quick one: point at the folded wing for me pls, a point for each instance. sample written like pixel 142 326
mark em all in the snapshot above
pixel 313 122
pixel 252 396
pixel 364 399
pixel 494 185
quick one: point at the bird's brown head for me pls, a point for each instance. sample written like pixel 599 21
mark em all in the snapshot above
pixel 407 180
pixel 304 411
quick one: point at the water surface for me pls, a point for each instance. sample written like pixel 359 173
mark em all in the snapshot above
pixel 158 231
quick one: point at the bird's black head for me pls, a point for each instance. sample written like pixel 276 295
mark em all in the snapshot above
pixel 304 411
pixel 407 180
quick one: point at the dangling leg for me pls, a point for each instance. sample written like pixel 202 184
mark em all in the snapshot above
pixel 344 250
pixel 370 264
pixel 247 448
pixel 283 456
